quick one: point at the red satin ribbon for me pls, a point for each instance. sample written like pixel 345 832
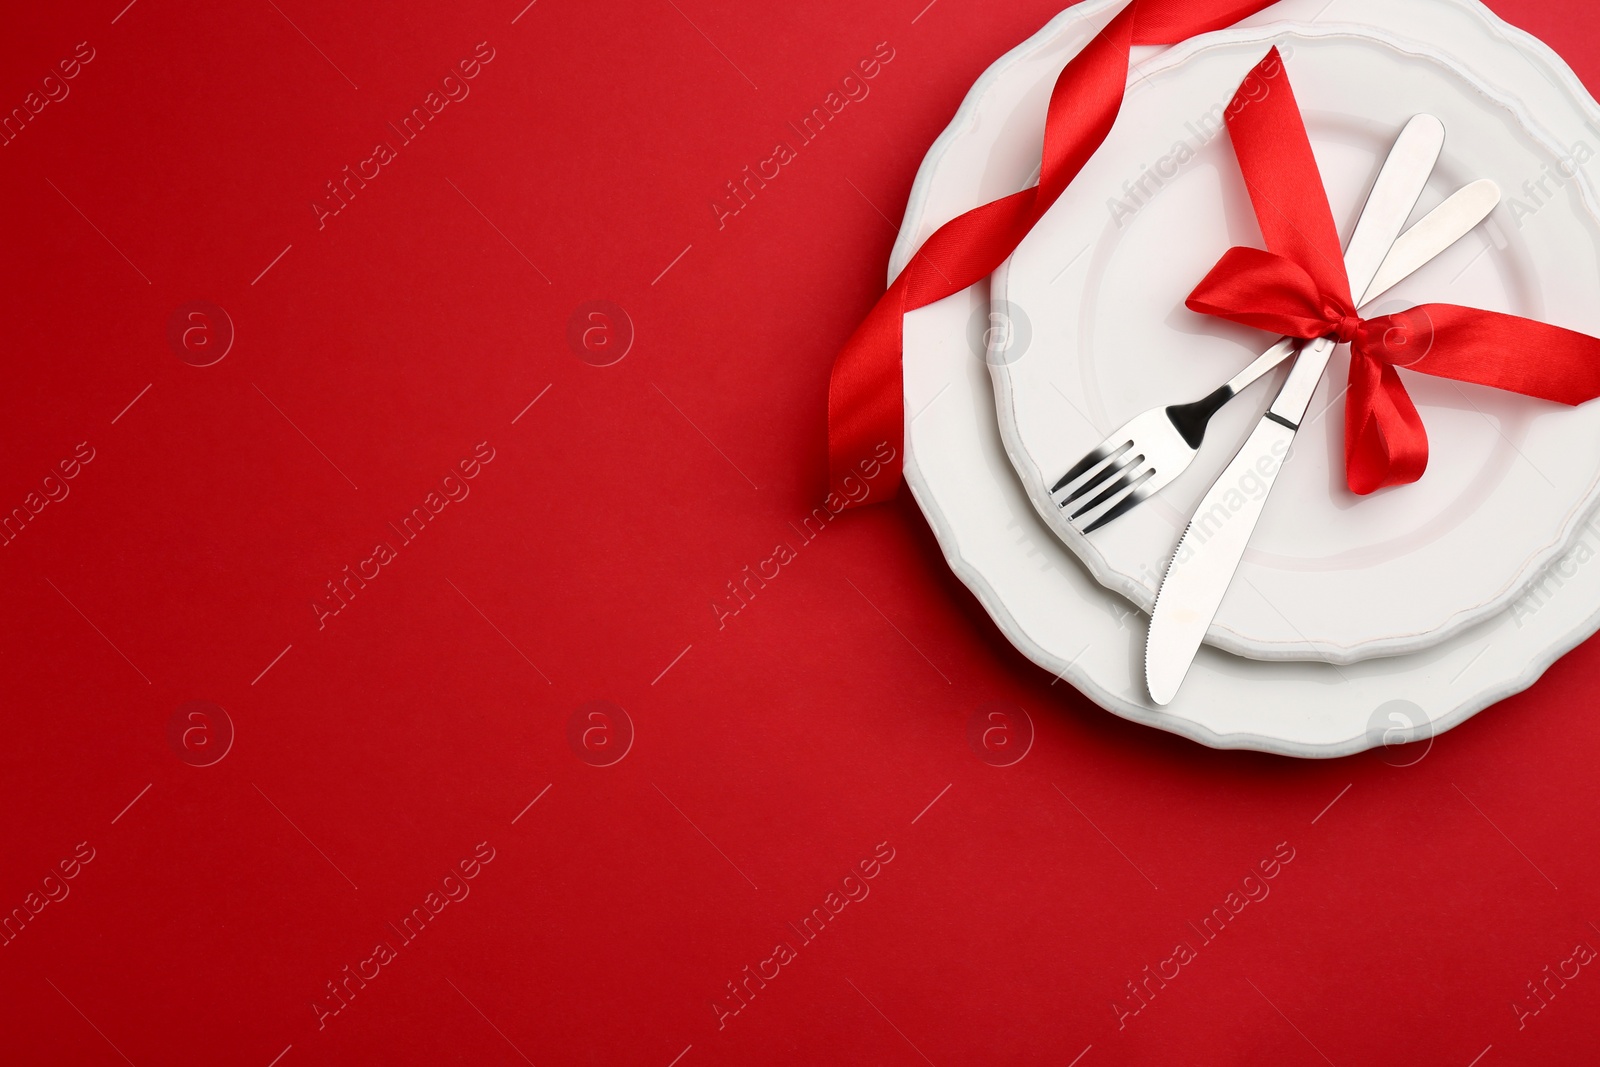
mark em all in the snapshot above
pixel 865 399
pixel 1299 288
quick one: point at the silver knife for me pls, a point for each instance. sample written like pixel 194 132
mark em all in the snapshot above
pixel 1214 541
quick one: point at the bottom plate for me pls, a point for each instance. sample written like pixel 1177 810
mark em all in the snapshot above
pixel 1039 594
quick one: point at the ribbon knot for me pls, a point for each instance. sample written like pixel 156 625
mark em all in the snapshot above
pixel 1348 328
pixel 1299 288
pixel 1273 292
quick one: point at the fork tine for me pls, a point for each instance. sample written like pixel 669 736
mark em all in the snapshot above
pixel 1133 498
pixel 1131 480
pixel 1097 455
pixel 1105 475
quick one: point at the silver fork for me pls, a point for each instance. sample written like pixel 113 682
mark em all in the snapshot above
pixel 1144 455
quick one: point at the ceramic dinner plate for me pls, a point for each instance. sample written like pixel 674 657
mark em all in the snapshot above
pixel 1102 279
pixel 1038 592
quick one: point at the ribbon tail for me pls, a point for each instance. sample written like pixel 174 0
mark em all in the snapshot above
pixel 1489 348
pixel 1384 439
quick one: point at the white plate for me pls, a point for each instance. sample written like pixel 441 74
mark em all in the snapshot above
pixel 1038 592
pixel 1102 279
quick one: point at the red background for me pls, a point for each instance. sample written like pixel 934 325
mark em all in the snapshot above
pixel 769 755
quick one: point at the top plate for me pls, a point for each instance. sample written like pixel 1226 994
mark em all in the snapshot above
pixel 1096 294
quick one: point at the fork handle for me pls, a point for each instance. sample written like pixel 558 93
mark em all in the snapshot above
pixel 1262 364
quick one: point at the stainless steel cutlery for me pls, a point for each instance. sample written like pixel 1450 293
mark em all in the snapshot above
pixel 1145 454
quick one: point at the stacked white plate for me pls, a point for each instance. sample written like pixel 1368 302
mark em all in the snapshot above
pixel 1353 621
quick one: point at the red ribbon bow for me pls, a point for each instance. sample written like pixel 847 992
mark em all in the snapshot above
pixel 865 398
pixel 1299 288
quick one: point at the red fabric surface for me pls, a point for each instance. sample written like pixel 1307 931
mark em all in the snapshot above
pixel 775 748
